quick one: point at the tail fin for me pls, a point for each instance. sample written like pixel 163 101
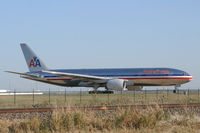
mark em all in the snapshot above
pixel 33 61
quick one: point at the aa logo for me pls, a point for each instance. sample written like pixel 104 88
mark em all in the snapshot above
pixel 35 62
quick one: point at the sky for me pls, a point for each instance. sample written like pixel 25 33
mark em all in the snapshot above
pixel 99 34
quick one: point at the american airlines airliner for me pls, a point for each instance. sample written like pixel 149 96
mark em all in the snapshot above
pixel 111 79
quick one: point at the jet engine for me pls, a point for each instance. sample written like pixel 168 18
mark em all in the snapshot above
pixel 134 88
pixel 116 84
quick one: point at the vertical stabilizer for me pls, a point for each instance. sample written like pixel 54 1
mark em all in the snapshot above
pixel 33 61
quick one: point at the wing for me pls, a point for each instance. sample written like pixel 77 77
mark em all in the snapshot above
pixel 87 78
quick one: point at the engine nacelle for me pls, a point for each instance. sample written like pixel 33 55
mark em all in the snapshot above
pixel 134 88
pixel 116 84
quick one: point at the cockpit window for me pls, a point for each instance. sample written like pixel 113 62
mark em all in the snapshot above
pixel 186 74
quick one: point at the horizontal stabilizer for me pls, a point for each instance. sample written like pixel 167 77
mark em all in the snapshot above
pixel 23 74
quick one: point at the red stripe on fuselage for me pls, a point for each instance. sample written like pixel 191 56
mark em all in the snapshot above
pixel 143 78
pixel 161 78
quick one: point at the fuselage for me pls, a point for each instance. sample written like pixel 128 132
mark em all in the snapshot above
pixel 139 76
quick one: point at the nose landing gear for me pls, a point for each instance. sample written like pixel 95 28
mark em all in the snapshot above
pixel 176 89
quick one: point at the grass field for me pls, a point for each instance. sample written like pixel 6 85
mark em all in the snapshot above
pixel 122 120
pixel 96 99
pixel 119 121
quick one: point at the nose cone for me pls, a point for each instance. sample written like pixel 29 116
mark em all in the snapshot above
pixel 191 78
pixel 188 76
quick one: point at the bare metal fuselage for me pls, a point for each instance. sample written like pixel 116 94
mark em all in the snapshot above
pixel 139 77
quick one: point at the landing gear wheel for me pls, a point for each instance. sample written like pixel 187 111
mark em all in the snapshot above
pixel 175 91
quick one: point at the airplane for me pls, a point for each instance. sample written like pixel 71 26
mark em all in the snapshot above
pixel 110 79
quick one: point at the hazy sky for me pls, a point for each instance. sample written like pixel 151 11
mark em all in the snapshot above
pixel 100 34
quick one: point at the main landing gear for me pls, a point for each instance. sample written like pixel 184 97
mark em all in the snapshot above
pixel 95 89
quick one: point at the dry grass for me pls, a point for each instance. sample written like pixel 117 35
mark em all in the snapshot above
pixel 122 120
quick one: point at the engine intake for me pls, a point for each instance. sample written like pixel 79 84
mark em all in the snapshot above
pixel 116 84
